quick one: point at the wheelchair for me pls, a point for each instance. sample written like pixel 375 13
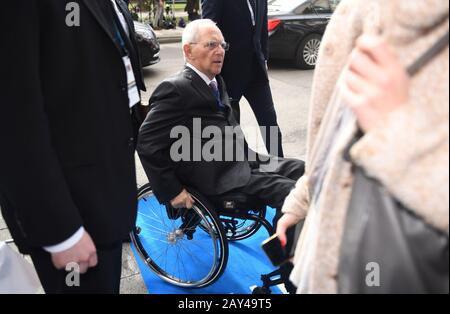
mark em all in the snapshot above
pixel 189 247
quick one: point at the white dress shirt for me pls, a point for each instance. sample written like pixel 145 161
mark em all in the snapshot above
pixel 202 75
pixel 67 244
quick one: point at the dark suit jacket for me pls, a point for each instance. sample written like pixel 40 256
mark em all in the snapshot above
pixel 66 134
pixel 176 102
pixel 246 42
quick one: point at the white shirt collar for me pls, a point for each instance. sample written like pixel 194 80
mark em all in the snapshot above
pixel 121 18
pixel 201 74
pixel 252 14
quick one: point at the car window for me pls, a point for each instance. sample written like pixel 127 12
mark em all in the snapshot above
pixel 285 5
pixel 334 4
pixel 305 8
pixel 322 6
pixel 317 7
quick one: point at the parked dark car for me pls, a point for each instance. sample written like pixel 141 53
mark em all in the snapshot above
pixel 147 43
pixel 296 28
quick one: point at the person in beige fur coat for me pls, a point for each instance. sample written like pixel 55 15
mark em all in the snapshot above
pixel 362 65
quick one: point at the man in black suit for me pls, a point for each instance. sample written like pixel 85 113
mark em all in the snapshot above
pixel 194 104
pixel 68 122
pixel 244 25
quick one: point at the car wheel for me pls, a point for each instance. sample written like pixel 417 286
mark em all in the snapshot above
pixel 308 52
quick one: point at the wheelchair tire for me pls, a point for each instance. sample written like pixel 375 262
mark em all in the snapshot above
pixel 174 246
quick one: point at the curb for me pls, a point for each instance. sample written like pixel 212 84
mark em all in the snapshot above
pixel 169 40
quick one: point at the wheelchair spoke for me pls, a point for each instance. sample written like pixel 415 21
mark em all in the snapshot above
pixel 153 211
pixel 196 243
pixel 161 214
pixel 161 253
pixel 180 262
pixel 201 264
pixel 165 242
pixel 194 259
pixel 154 219
pixel 165 254
pixel 177 259
pixel 153 228
pixel 192 255
pixel 165 260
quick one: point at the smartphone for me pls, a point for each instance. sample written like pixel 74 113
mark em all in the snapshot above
pixel 276 252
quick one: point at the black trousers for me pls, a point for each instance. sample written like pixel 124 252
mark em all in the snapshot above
pixel 274 185
pixel 259 95
pixel 102 279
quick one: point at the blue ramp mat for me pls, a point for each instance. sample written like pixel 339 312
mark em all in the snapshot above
pixel 246 263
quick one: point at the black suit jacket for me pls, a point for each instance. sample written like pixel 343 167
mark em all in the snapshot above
pixel 174 106
pixel 246 41
pixel 66 134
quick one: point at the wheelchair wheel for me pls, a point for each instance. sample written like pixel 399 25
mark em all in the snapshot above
pixel 173 245
pixel 237 229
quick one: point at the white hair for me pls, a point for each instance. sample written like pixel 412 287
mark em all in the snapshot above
pixel 192 30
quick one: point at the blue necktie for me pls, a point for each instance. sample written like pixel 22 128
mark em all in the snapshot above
pixel 215 90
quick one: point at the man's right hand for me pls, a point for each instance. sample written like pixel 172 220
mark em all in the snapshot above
pixel 83 253
pixel 183 200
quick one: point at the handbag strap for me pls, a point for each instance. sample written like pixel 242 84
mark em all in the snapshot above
pixel 428 55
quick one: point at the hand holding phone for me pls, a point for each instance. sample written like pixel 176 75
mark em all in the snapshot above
pixel 276 252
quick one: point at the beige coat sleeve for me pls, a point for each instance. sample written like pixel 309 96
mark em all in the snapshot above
pixel 297 202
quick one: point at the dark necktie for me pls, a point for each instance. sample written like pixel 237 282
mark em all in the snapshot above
pixel 216 92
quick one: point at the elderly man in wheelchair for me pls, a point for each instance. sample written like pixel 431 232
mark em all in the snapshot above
pixel 206 186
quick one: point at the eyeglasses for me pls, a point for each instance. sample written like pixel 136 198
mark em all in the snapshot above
pixel 211 45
